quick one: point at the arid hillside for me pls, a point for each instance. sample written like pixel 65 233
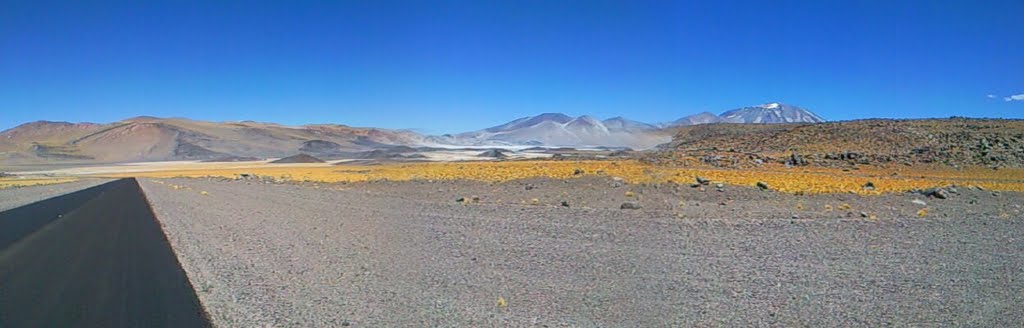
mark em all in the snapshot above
pixel 154 139
pixel 953 142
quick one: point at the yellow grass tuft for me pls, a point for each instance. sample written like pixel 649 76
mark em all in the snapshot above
pixel 501 302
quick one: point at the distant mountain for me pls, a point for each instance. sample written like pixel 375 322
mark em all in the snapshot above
pixel 700 118
pixel 767 113
pixel 620 123
pixel 558 130
pixel 158 139
pixel 770 113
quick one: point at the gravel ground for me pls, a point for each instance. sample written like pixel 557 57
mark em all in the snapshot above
pixel 408 254
pixel 18 196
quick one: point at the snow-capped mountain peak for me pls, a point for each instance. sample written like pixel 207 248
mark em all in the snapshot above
pixel 770 113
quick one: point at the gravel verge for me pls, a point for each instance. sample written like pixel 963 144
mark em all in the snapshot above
pixel 408 254
pixel 19 196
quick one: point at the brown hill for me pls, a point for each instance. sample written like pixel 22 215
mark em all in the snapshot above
pixel 954 141
pixel 300 158
pixel 151 139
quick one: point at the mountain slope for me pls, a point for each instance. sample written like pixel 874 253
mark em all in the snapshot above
pixel 153 139
pixel 956 141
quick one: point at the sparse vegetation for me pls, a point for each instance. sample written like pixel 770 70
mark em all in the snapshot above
pixel 8 182
pixel 807 180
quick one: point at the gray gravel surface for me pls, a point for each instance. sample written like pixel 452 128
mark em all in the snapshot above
pixel 18 196
pixel 408 254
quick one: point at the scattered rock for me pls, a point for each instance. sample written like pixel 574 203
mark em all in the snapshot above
pixel 702 180
pixel 719 185
pixel 939 193
pixel 461 200
pixel 796 160
pixel 762 185
pixel 869 186
pixel 529 186
pixel 565 203
pixel 629 206
pixel 578 171
pixel 618 182
pixel 919 202
pixel 863 214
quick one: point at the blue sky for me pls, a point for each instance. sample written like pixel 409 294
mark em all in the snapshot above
pixel 453 66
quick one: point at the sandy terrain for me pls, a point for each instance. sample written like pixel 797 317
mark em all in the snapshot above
pixel 409 254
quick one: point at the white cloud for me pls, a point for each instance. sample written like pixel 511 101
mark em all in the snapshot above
pixel 1019 97
pixel 991 96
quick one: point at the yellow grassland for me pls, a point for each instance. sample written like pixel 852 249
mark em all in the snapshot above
pixel 794 180
pixel 8 182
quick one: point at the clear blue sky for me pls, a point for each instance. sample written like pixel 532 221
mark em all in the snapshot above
pixel 453 66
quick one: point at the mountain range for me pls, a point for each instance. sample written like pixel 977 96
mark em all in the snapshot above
pixel 555 129
pixel 155 139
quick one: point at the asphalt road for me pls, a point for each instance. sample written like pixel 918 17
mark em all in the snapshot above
pixel 407 254
pixel 103 262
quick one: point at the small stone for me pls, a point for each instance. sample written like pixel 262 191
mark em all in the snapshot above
pixel 719 185
pixel 919 202
pixel 577 172
pixel 702 180
pixel 936 192
pixel 762 185
pixel 529 186
pixel 796 216
pixel 565 203
pixel 629 206
pixel 461 200
pixel 869 186
pixel 863 214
